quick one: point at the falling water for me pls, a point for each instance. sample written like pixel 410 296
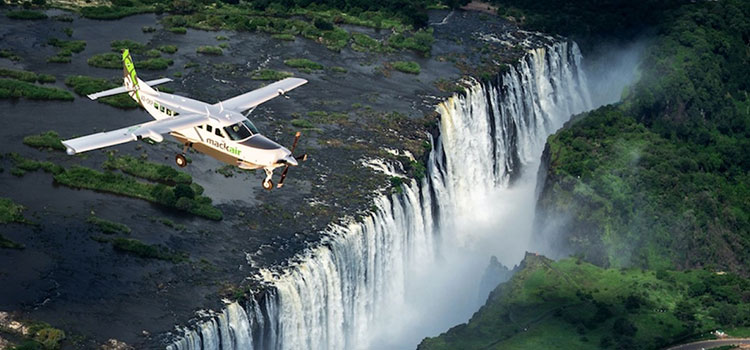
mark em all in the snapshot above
pixel 404 272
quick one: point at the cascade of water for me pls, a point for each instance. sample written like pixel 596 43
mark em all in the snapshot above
pixel 371 277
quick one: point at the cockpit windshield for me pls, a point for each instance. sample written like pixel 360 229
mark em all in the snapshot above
pixel 251 126
pixel 238 131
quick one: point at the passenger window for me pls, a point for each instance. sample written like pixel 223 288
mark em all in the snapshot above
pixel 200 126
pixel 161 108
pixel 209 128
pixel 218 132
pixel 156 105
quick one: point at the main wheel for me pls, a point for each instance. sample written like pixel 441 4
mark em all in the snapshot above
pixel 180 160
pixel 268 184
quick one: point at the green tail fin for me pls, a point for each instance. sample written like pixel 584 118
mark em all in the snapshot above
pixel 129 76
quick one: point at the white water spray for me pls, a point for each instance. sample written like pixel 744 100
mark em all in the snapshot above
pixel 412 268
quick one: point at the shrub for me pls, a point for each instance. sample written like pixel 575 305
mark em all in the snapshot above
pixel 26 14
pixel 11 88
pixel 210 50
pixel 156 63
pixel 168 48
pixel 302 123
pixel 178 30
pixel 106 60
pixel 410 67
pixel 120 45
pixel 283 36
pixel 49 139
pixel 106 226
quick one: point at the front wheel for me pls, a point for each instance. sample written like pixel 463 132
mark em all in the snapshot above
pixel 180 160
pixel 268 184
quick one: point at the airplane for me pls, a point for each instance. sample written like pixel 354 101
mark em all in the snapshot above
pixel 220 130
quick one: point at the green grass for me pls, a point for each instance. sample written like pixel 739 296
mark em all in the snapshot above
pixel 364 43
pixel 570 304
pixel 147 251
pixel 210 50
pixel 283 36
pixel 23 165
pixel 112 12
pixel 178 30
pixel 106 60
pixel 420 41
pixel 302 123
pixel 181 196
pixel 155 63
pixel 147 170
pixel 26 76
pixel 170 49
pixel 4 53
pixel 270 74
pixel 45 140
pixel 83 85
pixel 410 67
pixel 148 29
pixel 108 227
pixel 66 49
pixel 10 212
pixel 153 53
pixel 26 14
pixel 133 46
pixel 221 38
pixel 303 63
pixel 11 88
pixel 169 223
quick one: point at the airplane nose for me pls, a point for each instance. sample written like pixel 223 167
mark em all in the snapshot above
pixel 289 159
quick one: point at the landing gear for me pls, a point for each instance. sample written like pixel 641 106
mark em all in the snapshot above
pixel 267 183
pixel 180 160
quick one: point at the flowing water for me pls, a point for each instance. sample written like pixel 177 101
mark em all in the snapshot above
pixel 412 268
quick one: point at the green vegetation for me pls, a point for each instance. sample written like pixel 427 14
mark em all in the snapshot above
pixel 178 30
pixel 148 29
pixel 45 140
pixel 108 227
pixel 170 49
pixel 181 196
pixel 147 170
pixel 221 38
pixel 302 124
pixel 11 88
pixel 66 49
pixel 26 76
pixel 155 63
pixel 10 212
pixel 410 67
pixel 113 12
pixel 133 46
pixel 303 64
pixel 420 41
pixel 22 165
pixel 146 251
pixel 363 42
pixel 210 50
pixel 83 85
pixel 9 55
pixel 661 179
pixel 40 336
pixel 26 14
pixel 169 223
pixel 589 21
pixel 106 60
pixel 153 53
pixel 571 304
pixel 270 74
pixel 283 36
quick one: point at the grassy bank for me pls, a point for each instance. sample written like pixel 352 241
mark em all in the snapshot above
pixel 147 170
pixel 11 88
pixel 29 77
pixel 182 197
pixel 570 304
pixel 45 140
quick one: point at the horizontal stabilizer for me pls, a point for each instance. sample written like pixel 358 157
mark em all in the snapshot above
pixel 153 130
pixel 122 89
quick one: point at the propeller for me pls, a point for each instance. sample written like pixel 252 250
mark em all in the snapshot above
pixel 299 158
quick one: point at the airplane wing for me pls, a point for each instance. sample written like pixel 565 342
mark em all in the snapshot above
pixel 153 130
pixel 253 98
pixel 122 89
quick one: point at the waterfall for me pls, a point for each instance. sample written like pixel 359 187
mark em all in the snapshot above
pixel 352 290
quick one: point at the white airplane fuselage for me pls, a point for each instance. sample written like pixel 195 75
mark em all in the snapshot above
pixel 247 150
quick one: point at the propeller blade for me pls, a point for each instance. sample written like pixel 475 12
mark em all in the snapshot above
pixel 283 177
pixel 302 157
pixel 286 169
